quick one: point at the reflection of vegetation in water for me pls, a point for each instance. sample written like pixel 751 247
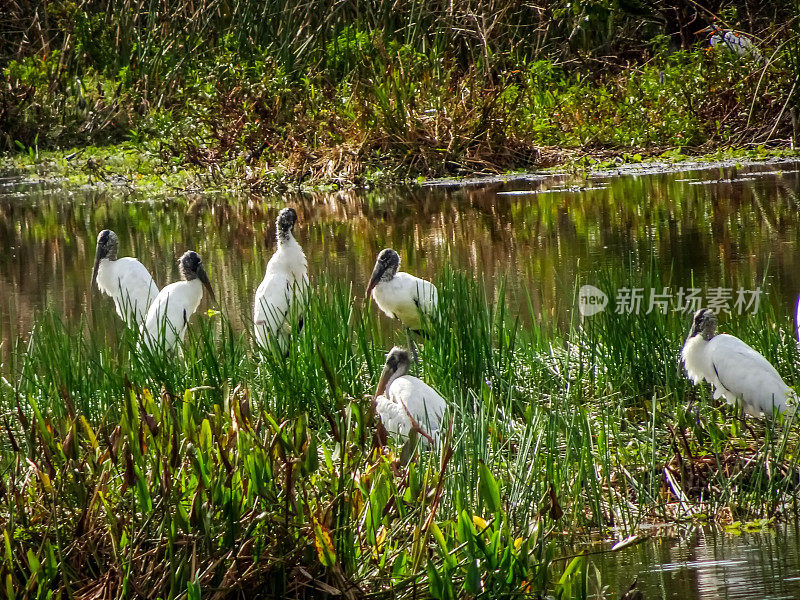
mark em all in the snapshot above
pixel 215 469
pixel 722 233
pixel 753 560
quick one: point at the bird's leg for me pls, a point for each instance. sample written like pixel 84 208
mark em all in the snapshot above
pixel 379 439
pixel 411 345
pixel 749 427
pixel 740 412
pixel 407 452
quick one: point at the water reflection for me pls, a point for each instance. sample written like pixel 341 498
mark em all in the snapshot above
pixel 710 564
pixel 741 222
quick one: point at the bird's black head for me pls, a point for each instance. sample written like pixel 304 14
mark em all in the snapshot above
pixel 389 259
pixel 285 222
pixel 188 265
pixel 107 246
pixel 398 361
pixel 385 268
pixel 704 323
pixel 191 268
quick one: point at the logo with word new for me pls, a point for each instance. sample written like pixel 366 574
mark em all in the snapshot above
pixel 591 300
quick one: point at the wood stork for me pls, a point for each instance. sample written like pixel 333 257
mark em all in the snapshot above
pixel 738 373
pixel 170 312
pixel 400 295
pixel 406 405
pixel 734 42
pixel 280 297
pixel 126 280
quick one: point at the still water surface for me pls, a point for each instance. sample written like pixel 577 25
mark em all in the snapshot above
pixel 708 564
pixel 723 225
pixel 732 226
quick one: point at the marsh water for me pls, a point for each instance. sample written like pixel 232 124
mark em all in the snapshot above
pixel 724 226
pixel 707 563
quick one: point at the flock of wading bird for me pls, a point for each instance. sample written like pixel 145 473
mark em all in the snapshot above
pixel 406 406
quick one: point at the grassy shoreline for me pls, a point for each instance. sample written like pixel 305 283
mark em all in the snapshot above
pixel 131 166
pixel 384 95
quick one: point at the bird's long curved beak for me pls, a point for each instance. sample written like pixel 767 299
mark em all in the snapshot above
pixel 384 380
pixel 377 273
pixel 708 29
pixel 203 277
pixel 96 268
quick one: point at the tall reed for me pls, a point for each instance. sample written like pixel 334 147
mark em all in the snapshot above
pixel 230 468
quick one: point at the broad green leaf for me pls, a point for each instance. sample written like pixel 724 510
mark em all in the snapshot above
pixel 435 587
pixel 472 582
pixel 51 564
pixel 575 565
pixel 311 458
pixel 488 488
pixel 465 531
pixel 9 556
pixel 187 422
pixel 33 563
pixel 89 433
pixel 324 544
pixel 448 556
pixel 206 439
pixel 10 587
pixel 193 590
pixel 182 517
pixel 143 493
pixel 399 567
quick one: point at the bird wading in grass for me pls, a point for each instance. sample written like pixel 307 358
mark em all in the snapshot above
pixel 126 280
pixel 280 298
pixel 407 406
pixel 400 295
pixel 170 312
pixel 737 372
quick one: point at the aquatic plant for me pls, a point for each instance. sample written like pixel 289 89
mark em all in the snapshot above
pixel 216 471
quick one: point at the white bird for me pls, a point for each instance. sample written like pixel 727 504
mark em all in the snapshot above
pixel 732 41
pixel 400 295
pixel 125 279
pixel 280 297
pixel 407 405
pixel 736 371
pixel 170 312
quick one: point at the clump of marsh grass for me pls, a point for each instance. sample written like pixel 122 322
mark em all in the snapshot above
pixel 226 468
pixel 271 93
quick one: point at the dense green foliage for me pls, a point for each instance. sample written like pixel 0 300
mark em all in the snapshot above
pixel 337 91
pixel 224 473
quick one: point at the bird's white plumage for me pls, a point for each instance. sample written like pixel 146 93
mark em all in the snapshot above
pixel 737 372
pixel 280 297
pixel 734 43
pixel 404 297
pixel 130 285
pixel 170 312
pixel 408 396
